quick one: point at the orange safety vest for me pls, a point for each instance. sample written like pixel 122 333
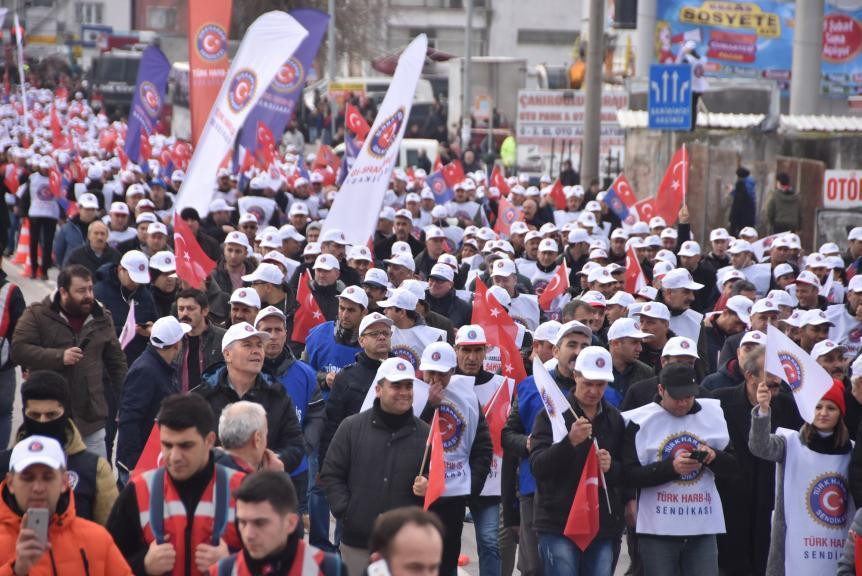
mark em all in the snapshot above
pixel 162 513
pixel 309 561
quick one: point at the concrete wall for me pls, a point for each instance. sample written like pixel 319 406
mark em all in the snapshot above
pixel 715 156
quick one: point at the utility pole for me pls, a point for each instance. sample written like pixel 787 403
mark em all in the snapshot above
pixel 645 37
pixel 593 103
pixel 467 103
pixel 807 49
pixel 330 64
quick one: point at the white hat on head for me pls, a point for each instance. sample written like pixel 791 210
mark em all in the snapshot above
pixel 266 313
pixel 119 208
pixel 359 253
pixel 825 347
pixel 856 368
pixel 781 270
pixel 503 267
pixel 815 260
pixel 88 201
pixel 312 249
pixel 601 275
pixel 547 331
pixel 289 232
pixel 648 292
pixel 855 233
pixel 719 234
pixel 438 357
pixel 168 331
pixel 680 278
pixel 247 296
pixel 578 235
pixel 689 248
pixel 657 222
pixel 572 327
pixel 326 262
pixel 137 265
pixel 217 205
pixel 400 298
pixel 741 306
pixel 753 337
pixel 670 233
pixel 500 295
pixel 680 346
pixel 400 247
pixel 373 318
pixel 37 450
pixel 548 245
pixel 595 299
pixel 594 363
pixel 334 235
pixel 442 272
pixel 621 298
pixel 395 370
pixel 655 310
pixel 402 260
pixel 236 237
pixel 269 273
pixel 241 331
pixel 748 232
pixel 764 306
pixel 815 318
pixel 519 227
pixel 164 261
pixel 782 298
pixel 356 295
pixel 376 277
pixel 740 246
pixel 807 277
pixel 470 335
pixel 626 328
pixel 666 256
pixel 661 268
pixel 388 213
pixel 830 249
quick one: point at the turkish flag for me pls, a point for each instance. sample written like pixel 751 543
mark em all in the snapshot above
pixel 55 181
pixel 453 173
pixel 438 164
pixel 646 209
pixel 500 331
pixel 354 122
pixel 558 196
pixel 58 139
pixel 582 524
pixel 499 182
pixel 265 143
pixel 124 158
pixel 108 140
pixel 496 413
pixel 556 287
pixel 507 214
pixel 437 467
pixel 146 149
pixel 10 179
pixel 326 157
pixel 181 153
pixel 151 454
pixel 308 315
pixel 193 265
pixel 672 190
pixel 634 278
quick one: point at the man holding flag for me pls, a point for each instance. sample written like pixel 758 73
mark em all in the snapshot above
pixel 577 539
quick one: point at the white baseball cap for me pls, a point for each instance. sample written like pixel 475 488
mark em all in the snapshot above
pixel 266 313
pixel 168 331
pixel 311 249
pixel 689 248
pixel 434 232
pixel 373 318
pixel 470 335
pixel 298 208
pixel 741 306
pixel 164 261
pixel 503 267
pixel 666 255
pixel 356 295
pixel 594 363
pixel 241 331
pixel 825 347
pixel 655 310
pixel 781 270
pixel 647 292
pixel 572 327
pixel 137 265
pixel 661 268
pixel 401 248
pixel 402 260
pixel 519 227
pixel 248 218
pixel 269 273
pixel 783 298
pixel 808 277
pixel 601 275
pixel 748 232
pixel 247 296
pixel 326 262
pixel 830 249
pixel 547 331
pixel 669 233
pixel 395 370
pixel 359 253
pixel 657 222
pixel 680 278
pixel 626 328
pixel 621 298
pixel 37 450
pixel 680 346
pixel 157 228
pixel 119 208
pixel 147 217
pixel 334 235
pixel 753 337
pixel 236 237
pixel 288 232
pixel 400 298
pixel 442 272
pixel 438 357
pixel 88 201
pixel 855 233
pixel 719 234
pixel 815 318
pixel 855 284
pixel 764 306
pixel 578 235
pixel 217 205
pixel 595 299
pixel 376 277
pixel 740 246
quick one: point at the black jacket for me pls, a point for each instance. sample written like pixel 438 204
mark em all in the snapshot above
pixel 728 376
pixel 452 307
pixel 644 392
pixel 85 256
pixel 748 497
pixel 383 248
pixel 222 276
pixel 284 436
pixel 424 263
pixel 557 468
pixel 349 389
pixel 370 468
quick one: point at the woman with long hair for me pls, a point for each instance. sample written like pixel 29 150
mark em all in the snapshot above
pixel 813 507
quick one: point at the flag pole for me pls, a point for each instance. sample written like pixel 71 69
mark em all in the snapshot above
pixel 428 444
pixel 604 483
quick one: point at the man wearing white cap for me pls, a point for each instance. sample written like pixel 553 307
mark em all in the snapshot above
pixel 410 334
pixel 221 219
pixel 38 479
pixel 241 379
pixel 435 246
pixel 335 243
pixel 677 350
pixel 402 231
pixel 244 305
pixel 654 319
pixel 854 251
pixel 151 378
pixel 399 268
pixel 524 307
pixel 119 230
pixel 95 252
pixel 441 296
pixel 625 339
pixel 467 453
pixel 543 340
pixel 702 272
pixel 572 337
pixel 124 284
pixel 847 319
pixel 807 291
pixel 463 209
pixel 372 463
pixel 558 467
pixel 234 263
pixel 74 232
pixel 678 290
pixel 359 259
pixel 719 240
pixel 734 319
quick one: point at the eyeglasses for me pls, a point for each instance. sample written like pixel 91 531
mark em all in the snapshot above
pixel 380 334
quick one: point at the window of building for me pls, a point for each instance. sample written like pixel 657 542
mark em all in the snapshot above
pixel 161 18
pixel 89 12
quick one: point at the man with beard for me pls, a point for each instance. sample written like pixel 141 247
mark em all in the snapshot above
pixel 46 410
pixel 201 351
pixel 95 252
pixel 831 358
pixel 70 333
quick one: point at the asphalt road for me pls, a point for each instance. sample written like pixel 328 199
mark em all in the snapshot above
pixel 35 290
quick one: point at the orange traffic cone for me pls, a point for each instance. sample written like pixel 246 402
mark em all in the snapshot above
pixel 28 267
pixel 23 250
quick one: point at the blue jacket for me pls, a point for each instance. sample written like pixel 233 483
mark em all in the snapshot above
pixel 324 354
pixel 68 237
pixel 149 380
pixel 114 299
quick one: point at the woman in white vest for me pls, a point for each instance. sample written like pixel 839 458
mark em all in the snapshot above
pixel 813 506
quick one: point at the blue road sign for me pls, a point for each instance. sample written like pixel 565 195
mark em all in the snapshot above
pixel 669 97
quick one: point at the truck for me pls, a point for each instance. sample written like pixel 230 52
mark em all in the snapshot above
pixel 113 76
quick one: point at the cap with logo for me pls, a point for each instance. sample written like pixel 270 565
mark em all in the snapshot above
pixel 680 278
pixel 246 296
pixel 689 248
pixel 741 306
pixel 679 381
pixel 626 328
pixel 137 265
pixel 356 295
pixel 326 262
pixel 438 357
pixel 168 331
pixel 442 272
pixel 808 277
pixel 241 331
pixel 594 363
pixel 656 310
pixel 470 335
pixel 753 337
pixel 376 277
pixel 164 261
pixel 395 370
pixel 815 318
pixel 782 270
pixel 547 331
pixel 402 260
pixel 764 306
pixel 269 273
pixel 825 347
pixel 572 327
pixel 266 313
pixel 359 253
pixel 334 235
pixel 401 298
pixel 371 319
pixel 719 234
pixel 680 346
pixel 503 268
pixel 88 201
pixel 37 450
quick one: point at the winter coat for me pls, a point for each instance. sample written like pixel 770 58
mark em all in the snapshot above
pixel 728 376
pixel 847 562
pixel 369 469
pixel 634 372
pixel 783 211
pixel 43 334
pixel 284 436
pixel 115 299
pixel 452 307
pixel 71 235
pixel 78 546
pixel 149 381
pixel 86 257
pixel 743 208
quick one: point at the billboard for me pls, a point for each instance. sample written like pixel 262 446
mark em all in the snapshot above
pixel 755 40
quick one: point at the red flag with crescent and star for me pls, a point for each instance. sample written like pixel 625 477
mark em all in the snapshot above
pixel 556 287
pixel 500 331
pixel 646 209
pixel 507 214
pixel 496 414
pixel 265 144
pixel 582 525
pixel 499 182
pixel 437 466
pixel 355 122
pixel 453 173
pixel 672 190
pixel 634 278
pixel 326 157
pixel 193 265
pixel 308 315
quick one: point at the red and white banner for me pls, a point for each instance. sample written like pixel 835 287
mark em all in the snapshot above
pixel 268 42
pixel 360 198
pixel 209 22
